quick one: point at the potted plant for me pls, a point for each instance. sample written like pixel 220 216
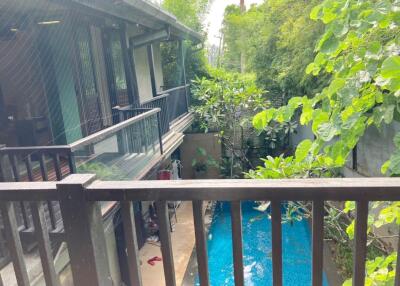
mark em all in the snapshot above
pixel 201 163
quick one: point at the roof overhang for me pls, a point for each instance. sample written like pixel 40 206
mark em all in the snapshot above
pixel 143 13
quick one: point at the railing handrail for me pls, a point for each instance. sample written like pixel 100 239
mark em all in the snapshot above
pixel 158 97
pixel 79 195
pixel 69 148
pixel 25 150
pixel 100 135
pixel 335 189
pixel 173 89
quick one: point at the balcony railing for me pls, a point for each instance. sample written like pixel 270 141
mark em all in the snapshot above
pixel 79 196
pixel 177 101
pixel 173 104
pixel 120 152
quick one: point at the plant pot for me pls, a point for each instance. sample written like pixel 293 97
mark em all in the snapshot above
pixel 200 174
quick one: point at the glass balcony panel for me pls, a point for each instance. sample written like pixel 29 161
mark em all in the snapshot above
pixel 123 154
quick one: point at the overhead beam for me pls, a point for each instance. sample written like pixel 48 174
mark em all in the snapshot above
pixel 148 38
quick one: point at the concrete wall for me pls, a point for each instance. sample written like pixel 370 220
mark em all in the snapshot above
pixel 302 132
pixel 143 73
pixel 158 67
pixel 207 141
pixel 375 148
pixel 142 69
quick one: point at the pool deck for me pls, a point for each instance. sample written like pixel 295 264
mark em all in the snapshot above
pixel 183 242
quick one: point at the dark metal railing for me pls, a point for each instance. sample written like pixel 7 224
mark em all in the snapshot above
pixel 79 196
pixel 128 112
pixel 173 104
pixel 177 101
pixel 162 103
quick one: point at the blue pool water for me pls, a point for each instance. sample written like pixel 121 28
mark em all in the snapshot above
pixel 296 243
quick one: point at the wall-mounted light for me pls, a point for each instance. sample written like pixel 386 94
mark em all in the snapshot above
pixel 49 22
pixel 14 30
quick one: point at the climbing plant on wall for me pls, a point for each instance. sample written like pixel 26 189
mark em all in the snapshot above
pixel 360 48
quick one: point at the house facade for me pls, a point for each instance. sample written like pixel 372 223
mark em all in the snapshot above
pixel 67 64
pixel 82 91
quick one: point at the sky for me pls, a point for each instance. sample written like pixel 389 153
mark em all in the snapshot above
pixel 213 19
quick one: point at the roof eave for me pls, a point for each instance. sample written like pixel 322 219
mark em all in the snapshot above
pixel 143 13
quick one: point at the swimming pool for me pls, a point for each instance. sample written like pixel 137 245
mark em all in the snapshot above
pixel 296 244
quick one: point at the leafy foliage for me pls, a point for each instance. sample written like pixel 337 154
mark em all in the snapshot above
pixel 360 50
pixel 191 14
pixel 362 58
pixel 225 103
pixel 278 40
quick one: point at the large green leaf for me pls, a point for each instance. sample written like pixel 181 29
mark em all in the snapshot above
pixel 328 44
pixel 327 131
pixel 303 150
pixel 391 67
pixel 261 119
pixel 315 12
pixel 395 163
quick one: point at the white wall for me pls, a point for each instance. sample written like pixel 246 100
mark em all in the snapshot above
pixel 158 66
pixel 375 148
pixel 302 132
pixel 143 73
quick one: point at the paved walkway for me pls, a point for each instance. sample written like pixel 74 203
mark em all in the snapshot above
pixel 183 242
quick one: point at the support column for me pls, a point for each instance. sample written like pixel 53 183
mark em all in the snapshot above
pixel 181 61
pixel 84 232
pixel 130 75
pixel 150 56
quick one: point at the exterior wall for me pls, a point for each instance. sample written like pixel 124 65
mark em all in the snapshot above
pixel 20 76
pixel 21 85
pixel 302 133
pixel 111 245
pixel 375 148
pixel 101 76
pixel 158 72
pixel 143 73
pixel 207 141
pixel 60 44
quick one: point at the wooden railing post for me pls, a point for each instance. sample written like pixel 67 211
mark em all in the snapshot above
pixel 84 232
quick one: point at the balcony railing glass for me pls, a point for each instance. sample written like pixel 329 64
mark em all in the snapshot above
pixel 120 152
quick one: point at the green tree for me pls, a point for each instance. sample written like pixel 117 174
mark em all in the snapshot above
pixel 226 103
pixel 360 49
pixel 191 14
pixel 278 39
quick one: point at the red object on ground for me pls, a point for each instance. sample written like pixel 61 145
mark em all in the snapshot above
pixel 164 175
pixel 151 261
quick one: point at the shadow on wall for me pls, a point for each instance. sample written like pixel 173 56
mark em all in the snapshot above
pixel 189 152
